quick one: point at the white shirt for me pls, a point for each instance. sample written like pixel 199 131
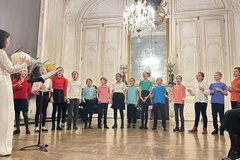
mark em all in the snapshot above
pixel 119 87
pixel 46 87
pixel 74 90
pixel 200 96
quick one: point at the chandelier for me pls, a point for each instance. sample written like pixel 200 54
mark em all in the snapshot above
pixel 139 17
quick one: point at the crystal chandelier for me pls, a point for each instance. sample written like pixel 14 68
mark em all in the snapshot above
pixel 139 17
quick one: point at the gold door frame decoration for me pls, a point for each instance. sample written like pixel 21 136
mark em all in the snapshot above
pixel 167 49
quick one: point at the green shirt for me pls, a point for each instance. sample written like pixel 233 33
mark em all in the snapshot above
pixel 145 85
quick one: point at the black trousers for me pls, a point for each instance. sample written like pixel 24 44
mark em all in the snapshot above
pixel 57 108
pixel 144 114
pixel 178 108
pixel 132 113
pixel 217 109
pixel 64 112
pixel 88 110
pixel 200 108
pixel 115 115
pixel 73 112
pixel 156 108
pixel 44 107
pixel 103 108
pixel 234 104
pixel 17 119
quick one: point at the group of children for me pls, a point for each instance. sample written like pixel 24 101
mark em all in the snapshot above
pixel 66 96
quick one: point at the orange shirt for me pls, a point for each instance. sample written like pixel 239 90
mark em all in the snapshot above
pixel 178 93
pixel 234 94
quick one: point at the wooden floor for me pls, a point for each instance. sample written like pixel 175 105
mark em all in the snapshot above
pixel 122 144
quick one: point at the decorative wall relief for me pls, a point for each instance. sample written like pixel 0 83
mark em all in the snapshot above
pixel 236 6
pixel 71 19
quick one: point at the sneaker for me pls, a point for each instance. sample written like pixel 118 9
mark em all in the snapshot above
pixel 129 125
pixel 215 132
pixel 164 129
pixel 27 131
pixel 176 129
pixel 141 127
pixel 134 126
pixel 193 130
pixel 75 128
pixel 106 127
pixel 59 128
pixel 17 131
pixel 181 130
pixel 114 126
pixel 204 131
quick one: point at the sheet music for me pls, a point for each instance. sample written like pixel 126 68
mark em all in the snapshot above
pixel 50 74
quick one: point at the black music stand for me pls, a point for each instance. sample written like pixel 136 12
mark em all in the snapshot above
pixel 40 145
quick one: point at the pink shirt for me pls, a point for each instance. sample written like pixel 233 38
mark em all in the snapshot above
pixel 178 93
pixel 103 93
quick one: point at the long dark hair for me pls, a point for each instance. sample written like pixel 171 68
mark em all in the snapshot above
pixel 17 76
pixel 3 36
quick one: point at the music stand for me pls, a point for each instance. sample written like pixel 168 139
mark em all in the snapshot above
pixel 40 145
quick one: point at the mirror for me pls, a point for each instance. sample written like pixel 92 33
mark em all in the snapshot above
pixel 149 51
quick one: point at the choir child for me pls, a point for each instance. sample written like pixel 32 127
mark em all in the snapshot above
pixel 74 93
pixel 43 90
pixel 200 92
pixel 89 94
pixel 179 94
pixel 145 91
pixel 103 96
pixel 59 85
pixel 21 88
pixel 118 99
pixel 217 92
pixel 132 102
pixel 159 93
pixel 234 89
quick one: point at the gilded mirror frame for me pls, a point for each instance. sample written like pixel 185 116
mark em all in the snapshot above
pixel 167 50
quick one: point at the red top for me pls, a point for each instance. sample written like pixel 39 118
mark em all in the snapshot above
pixel 234 94
pixel 60 83
pixel 21 91
pixel 179 94
pixel 103 93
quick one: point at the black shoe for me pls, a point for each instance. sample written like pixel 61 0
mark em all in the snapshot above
pixel 85 127
pixel 75 128
pixel 129 125
pixel 145 127
pixel 164 129
pixel 181 130
pixel 68 128
pixel 59 128
pixel 114 126
pixel 99 126
pixel 134 126
pixel 53 128
pixel 176 129
pixel 106 127
pixel 27 131
pixel 141 127
pixel 16 131
pixel 45 130
pixel 154 128
pixel 215 132
pixel 122 126
pixel 222 133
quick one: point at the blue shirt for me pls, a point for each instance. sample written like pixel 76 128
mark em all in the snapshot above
pixel 132 95
pixel 159 92
pixel 89 93
pixel 217 96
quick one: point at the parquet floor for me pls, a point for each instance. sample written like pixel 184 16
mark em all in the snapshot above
pixel 122 144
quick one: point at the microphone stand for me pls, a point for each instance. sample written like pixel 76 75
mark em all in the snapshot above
pixel 39 145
